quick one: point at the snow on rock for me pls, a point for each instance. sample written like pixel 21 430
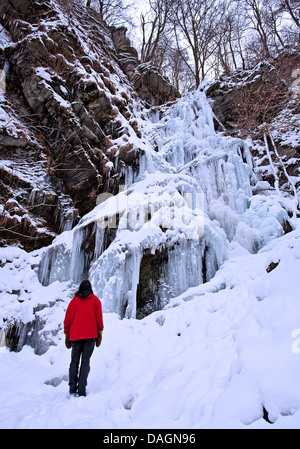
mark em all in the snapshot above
pixel 27 308
pixel 157 217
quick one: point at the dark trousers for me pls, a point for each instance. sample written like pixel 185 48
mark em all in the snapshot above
pixel 78 376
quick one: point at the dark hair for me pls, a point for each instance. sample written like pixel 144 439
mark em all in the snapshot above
pixel 85 289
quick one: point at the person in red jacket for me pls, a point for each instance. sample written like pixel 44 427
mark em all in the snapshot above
pixel 83 326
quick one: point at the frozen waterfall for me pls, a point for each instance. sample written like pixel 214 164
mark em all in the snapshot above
pixel 170 229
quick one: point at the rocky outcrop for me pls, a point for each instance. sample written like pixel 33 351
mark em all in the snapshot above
pixel 229 92
pixel 149 83
pixel 69 129
pixel 266 97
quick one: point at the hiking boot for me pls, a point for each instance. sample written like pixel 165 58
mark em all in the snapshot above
pixel 83 393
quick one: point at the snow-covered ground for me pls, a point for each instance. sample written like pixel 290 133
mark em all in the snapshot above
pixel 213 358
pixel 220 354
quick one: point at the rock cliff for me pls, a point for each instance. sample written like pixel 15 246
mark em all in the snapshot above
pixel 68 130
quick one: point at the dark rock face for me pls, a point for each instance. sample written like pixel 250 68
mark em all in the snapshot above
pixel 151 275
pixel 230 91
pixel 150 85
pixel 69 97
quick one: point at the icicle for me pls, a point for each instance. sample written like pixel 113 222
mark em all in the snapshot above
pixel 134 271
pixel 2 338
pixel 272 165
pixel 297 201
pixel 180 276
pixel 181 206
pixel 56 262
pixel 78 255
pixel 115 277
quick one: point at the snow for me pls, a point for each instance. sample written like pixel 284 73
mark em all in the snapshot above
pixel 214 354
pixel 4 38
pixel 213 361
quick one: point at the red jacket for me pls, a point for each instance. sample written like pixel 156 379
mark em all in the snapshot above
pixel 83 317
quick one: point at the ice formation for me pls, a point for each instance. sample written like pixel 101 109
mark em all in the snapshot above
pixel 191 196
pixel 194 237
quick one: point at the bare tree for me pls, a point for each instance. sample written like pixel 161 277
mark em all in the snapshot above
pixel 111 12
pixel 291 28
pixel 254 30
pixel 177 71
pixel 256 13
pixel 230 51
pixel 197 27
pixel 154 27
pixel 293 8
pixel 268 20
pixel 273 20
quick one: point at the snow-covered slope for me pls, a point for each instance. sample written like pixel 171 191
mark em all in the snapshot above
pixel 220 348
pixel 217 356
